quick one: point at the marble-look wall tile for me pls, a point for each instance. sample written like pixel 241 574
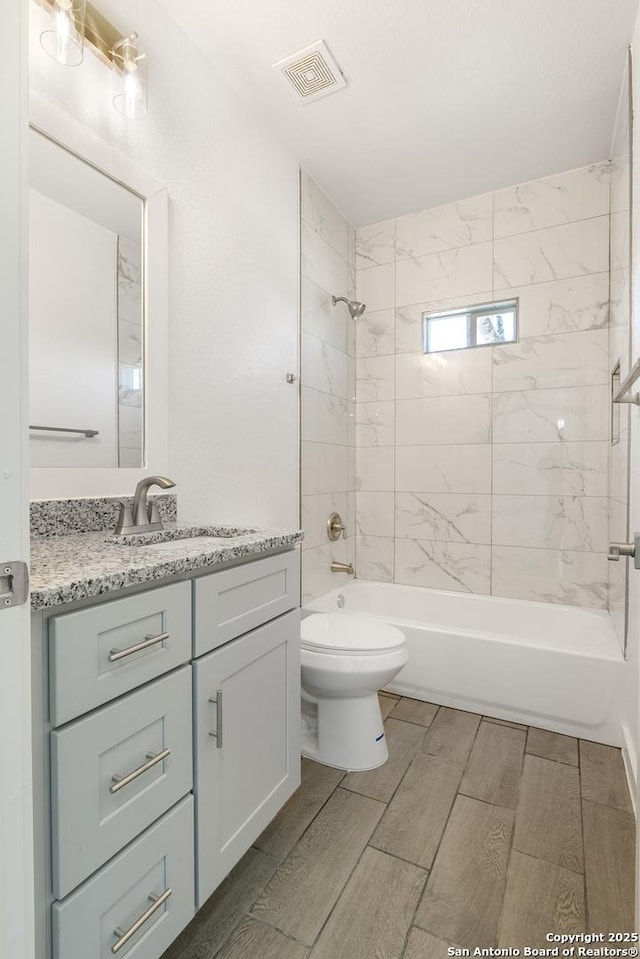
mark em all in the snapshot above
pixel 465 567
pixel 375 558
pixel 376 244
pixel 315 513
pixel 375 287
pixel 324 417
pixel 443 374
pixel 545 362
pixel 375 379
pixel 443 469
pixel 375 334
pixel 575 195
pixel 322 215
pixel 578 469
pixel 375 424
pixel 130 347
pixel 561 306
pixel 550 576
pixel 375 469
pixel 321 318
pixel 572 249
pixel 541 416
pixel 445 227
pixel 323 367
pixel 551 522
pixel 453 273
pixel 321 263
pixel 374 514
pixel 446 517
pixel 318 578
pixel 452 419
pixel 324 468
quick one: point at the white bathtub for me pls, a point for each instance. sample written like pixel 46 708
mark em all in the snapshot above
pixel 557 667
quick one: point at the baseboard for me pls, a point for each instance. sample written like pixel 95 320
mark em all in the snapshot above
pixel 630 760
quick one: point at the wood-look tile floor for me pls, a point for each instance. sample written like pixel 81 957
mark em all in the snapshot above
pixel 476 832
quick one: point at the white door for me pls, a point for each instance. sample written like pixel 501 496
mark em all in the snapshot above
pixel 16 869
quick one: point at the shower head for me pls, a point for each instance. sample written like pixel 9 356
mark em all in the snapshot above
pixel 356 309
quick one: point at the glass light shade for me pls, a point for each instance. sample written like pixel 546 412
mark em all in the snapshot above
pixel 65 42
pixel 130 98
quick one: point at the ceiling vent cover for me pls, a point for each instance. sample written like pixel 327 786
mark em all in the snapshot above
pixel 312 72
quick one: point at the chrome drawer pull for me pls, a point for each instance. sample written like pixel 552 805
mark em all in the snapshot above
pixel 117 654
pixel 217 733
pixel 124 937
pixel 152 760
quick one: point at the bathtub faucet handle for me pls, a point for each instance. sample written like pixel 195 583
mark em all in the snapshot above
pixel 616 550
pixel 335 527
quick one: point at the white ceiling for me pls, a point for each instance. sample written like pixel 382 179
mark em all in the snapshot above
pixel 446 98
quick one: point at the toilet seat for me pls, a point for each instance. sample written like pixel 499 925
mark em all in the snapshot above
pixel 349 635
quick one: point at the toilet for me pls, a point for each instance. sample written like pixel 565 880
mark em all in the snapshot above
pixel 345 659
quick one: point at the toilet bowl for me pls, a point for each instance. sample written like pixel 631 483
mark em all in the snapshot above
pixel 345 660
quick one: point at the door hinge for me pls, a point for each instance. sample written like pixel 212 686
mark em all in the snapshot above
pixel 14 584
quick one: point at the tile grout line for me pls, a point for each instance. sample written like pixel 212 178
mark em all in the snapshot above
pixel 584 844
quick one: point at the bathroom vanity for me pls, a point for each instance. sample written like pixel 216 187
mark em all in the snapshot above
pixel 166 727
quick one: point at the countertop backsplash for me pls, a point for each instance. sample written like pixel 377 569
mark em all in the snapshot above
pixel 60 517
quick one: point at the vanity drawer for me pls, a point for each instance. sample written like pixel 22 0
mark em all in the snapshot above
pixel 230 603
pixel 93 654
pixel 93 814
pixel 126 889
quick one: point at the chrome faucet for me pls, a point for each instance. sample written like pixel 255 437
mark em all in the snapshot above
pixel 144 517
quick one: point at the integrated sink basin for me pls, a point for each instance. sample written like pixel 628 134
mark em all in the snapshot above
pixel 198 537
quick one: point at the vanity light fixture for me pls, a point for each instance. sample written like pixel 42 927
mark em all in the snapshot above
pixel 131 78
pixel 75 21
pixel 65 42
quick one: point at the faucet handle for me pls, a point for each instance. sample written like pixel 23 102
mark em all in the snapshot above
pixel 125 519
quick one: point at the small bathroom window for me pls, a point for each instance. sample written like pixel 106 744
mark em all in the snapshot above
pixel 483 325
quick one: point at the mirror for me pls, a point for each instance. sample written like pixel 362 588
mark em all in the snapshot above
pixel 86 313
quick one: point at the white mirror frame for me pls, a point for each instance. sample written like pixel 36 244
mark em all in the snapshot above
pixel 66 482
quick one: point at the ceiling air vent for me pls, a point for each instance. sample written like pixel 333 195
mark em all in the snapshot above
pixel 312 72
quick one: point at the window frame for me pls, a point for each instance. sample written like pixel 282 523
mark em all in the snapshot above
pixel 472 313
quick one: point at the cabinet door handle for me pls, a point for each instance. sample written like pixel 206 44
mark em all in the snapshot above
pixel 124 937
pixel 152 760
pixel 217 733
pixel 116 654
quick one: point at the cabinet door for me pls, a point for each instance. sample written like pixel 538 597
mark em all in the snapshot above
pixel 247 703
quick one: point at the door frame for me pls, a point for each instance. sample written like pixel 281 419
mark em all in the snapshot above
pixel 16 818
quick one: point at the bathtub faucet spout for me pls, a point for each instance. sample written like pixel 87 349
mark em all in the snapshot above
pixel 343 568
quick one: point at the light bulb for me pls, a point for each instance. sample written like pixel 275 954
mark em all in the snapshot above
pixel 131 94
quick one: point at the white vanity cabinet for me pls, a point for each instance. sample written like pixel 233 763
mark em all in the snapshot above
pixel 247 749
pixel 155 771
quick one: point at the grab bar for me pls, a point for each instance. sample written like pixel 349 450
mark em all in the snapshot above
pixel 61 429
pixel 626 385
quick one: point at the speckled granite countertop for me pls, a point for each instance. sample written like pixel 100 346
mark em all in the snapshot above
pixel 82 565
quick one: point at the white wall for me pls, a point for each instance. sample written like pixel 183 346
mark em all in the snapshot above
pixel 233 274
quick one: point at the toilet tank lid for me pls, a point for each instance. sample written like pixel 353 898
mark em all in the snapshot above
pixel 354 633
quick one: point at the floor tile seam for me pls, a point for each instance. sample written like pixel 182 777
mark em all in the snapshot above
pixel 489 802
pixel 280 862
pixel 607 805
pixel 404 775
pixel 432 865
pixel 412 921
pixel 507 868
pixel 395 855
pixel 412 722
pixel 344 886
pixel 549 862
pixel 563 762
pixel 270 925
pixel 604 805
pixel 584 844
